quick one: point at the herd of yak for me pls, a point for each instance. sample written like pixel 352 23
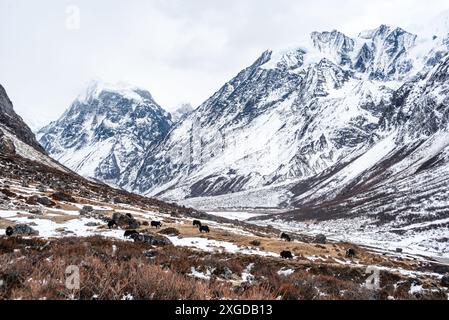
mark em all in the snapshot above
pixel 133 234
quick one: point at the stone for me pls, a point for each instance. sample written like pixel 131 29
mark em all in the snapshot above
pixel 320 238
pixel 36 211
pixel 125 221
pixel 152 239
pixel 92 224
pixel 24 230
pixel 445 281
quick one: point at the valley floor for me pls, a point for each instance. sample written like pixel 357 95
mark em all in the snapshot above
pixel 236 260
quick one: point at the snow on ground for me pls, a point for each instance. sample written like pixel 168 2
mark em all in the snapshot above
pixel 360 231
pixel 209 245
pixel 285 272
pixel 199 275
pixel 48 228
pixel 235 215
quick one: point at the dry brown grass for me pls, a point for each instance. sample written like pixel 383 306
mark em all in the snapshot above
pixel 34 269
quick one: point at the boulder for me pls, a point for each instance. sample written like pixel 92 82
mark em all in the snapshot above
pixel 34 200
pixel 45 202
pixel 24 230
pixel 153 239
pixel 87 211
pixel 92 224
pixel 36 211
pixel 6 145
pixel 445 281
pixel 125 221
pixel 320 238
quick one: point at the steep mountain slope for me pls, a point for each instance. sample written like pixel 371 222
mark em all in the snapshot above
pixel 106 130
pixel 181 112
pixel 292 116
pixel 10 121
pixel 396 193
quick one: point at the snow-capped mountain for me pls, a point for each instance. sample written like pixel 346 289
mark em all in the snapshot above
pixel 107 129
pixel 291 117
pixel 298 127
pixel 181 112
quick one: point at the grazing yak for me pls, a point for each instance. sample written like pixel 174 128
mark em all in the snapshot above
pixel 286 255
pixel 350 253
pixel 112 224
pixel 197 223
pixel 9 231
pixel 204 229
pixel 156 224
pixel 129 233
pixel 285 237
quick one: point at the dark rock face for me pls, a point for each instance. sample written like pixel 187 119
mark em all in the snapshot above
pixel 14 123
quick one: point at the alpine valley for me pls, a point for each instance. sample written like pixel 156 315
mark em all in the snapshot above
pixel 342 135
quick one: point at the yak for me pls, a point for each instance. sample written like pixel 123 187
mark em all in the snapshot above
pixel 350 253
pixel 197 223
pixel 129 233
pixel 286 255
pixel 112 224
pixel 156 224
pixel 204 229
pixel 285 237
pixel 9 231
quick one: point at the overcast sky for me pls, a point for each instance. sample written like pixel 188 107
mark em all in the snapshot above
pixel 180 50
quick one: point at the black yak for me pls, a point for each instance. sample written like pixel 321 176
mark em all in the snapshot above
pixel 156 224
pixel 112 224
pixel 204 229
pixel 286 255
pixel 285 237
pixel 9 231
pixel 129 233
pixel 350 253
pixel 197 223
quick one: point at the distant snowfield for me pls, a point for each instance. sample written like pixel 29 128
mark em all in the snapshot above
pixel 359 232
pixel 235 215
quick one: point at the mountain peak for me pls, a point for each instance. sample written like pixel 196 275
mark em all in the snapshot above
pixel 95 88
